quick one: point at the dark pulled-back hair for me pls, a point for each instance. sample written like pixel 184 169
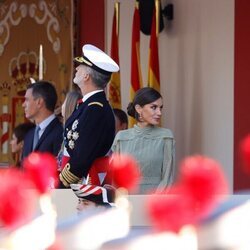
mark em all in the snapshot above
pixel 142 97
pixel 45 90
pixel 22 129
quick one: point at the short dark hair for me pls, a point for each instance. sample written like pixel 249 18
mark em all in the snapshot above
pixel 121 115
pixel 22 129
pixel 45 90
pixel 142 97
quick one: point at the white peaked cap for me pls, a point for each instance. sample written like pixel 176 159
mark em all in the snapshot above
pixel 97 59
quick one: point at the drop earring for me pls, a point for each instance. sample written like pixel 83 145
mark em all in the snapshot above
pixel 140 117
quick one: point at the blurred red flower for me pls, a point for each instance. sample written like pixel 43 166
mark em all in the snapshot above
pixel 171 210
pixel 204 179
pixel 197 192
pixel 125 171
pixel 17 202
pixel 41 169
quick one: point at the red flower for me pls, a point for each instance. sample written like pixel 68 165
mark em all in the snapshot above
pixel 245 153
pixel 17 202
pixel 41 169
pixel 204 179
pixel 171 210
pixel 193 197
pixel 125 171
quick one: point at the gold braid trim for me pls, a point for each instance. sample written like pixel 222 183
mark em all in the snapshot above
pixel 66 177
pixel 82 60
pixel 95 103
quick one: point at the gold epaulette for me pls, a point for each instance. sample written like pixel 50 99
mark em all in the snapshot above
pixel 67 177
pixel 95 103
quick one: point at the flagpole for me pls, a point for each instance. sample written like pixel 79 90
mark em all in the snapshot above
pixel 157 16
pixel 40 76
pixel 117 9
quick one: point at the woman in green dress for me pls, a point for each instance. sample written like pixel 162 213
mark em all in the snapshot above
pixel 152 146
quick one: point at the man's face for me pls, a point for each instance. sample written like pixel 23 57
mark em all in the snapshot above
pixel 84 205
pixel 79 75
pixel 31 105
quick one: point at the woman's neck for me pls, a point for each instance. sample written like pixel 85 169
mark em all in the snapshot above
pixel 143 125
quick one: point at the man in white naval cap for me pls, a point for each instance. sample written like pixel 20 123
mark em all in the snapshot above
pixel 90 131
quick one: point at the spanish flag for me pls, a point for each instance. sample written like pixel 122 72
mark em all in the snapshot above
pixel 154 69
pixel 114 85
pixel 136 77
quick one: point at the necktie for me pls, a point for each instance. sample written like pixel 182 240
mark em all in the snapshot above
pixel 36 136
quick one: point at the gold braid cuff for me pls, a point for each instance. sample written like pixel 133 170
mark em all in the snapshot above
pixel 66 177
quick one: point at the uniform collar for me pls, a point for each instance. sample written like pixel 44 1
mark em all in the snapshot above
pixel 90 94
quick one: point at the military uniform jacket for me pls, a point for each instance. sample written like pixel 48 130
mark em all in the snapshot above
pixel 89 133
pixel 50 141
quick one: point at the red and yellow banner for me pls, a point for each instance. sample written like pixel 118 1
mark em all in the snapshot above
pixel 115 82
pixel 154 69
pixel 25 25
pixel 136 76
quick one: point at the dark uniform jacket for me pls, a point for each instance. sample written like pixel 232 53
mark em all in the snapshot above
pixel 88 134
pixel 50 141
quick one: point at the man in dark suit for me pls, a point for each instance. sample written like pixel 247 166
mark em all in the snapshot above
pixel 39 105
pixel 90 131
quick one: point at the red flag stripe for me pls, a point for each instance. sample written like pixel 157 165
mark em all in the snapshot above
pixel 136 80
pixel 136 76
pixel 153 70
pixel 114 85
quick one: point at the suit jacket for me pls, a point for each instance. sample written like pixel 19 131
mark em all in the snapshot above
pixel 89 133
pixel 50 141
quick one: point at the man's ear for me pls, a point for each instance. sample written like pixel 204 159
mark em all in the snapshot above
pixel 40 102
pixel 86 77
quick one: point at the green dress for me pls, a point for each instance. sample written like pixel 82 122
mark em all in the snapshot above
pixel 154 149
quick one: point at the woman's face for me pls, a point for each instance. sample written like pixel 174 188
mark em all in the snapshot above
pixel 150 114
pixel 15 147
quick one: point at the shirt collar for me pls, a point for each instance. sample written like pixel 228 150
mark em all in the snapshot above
pixel 46 122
